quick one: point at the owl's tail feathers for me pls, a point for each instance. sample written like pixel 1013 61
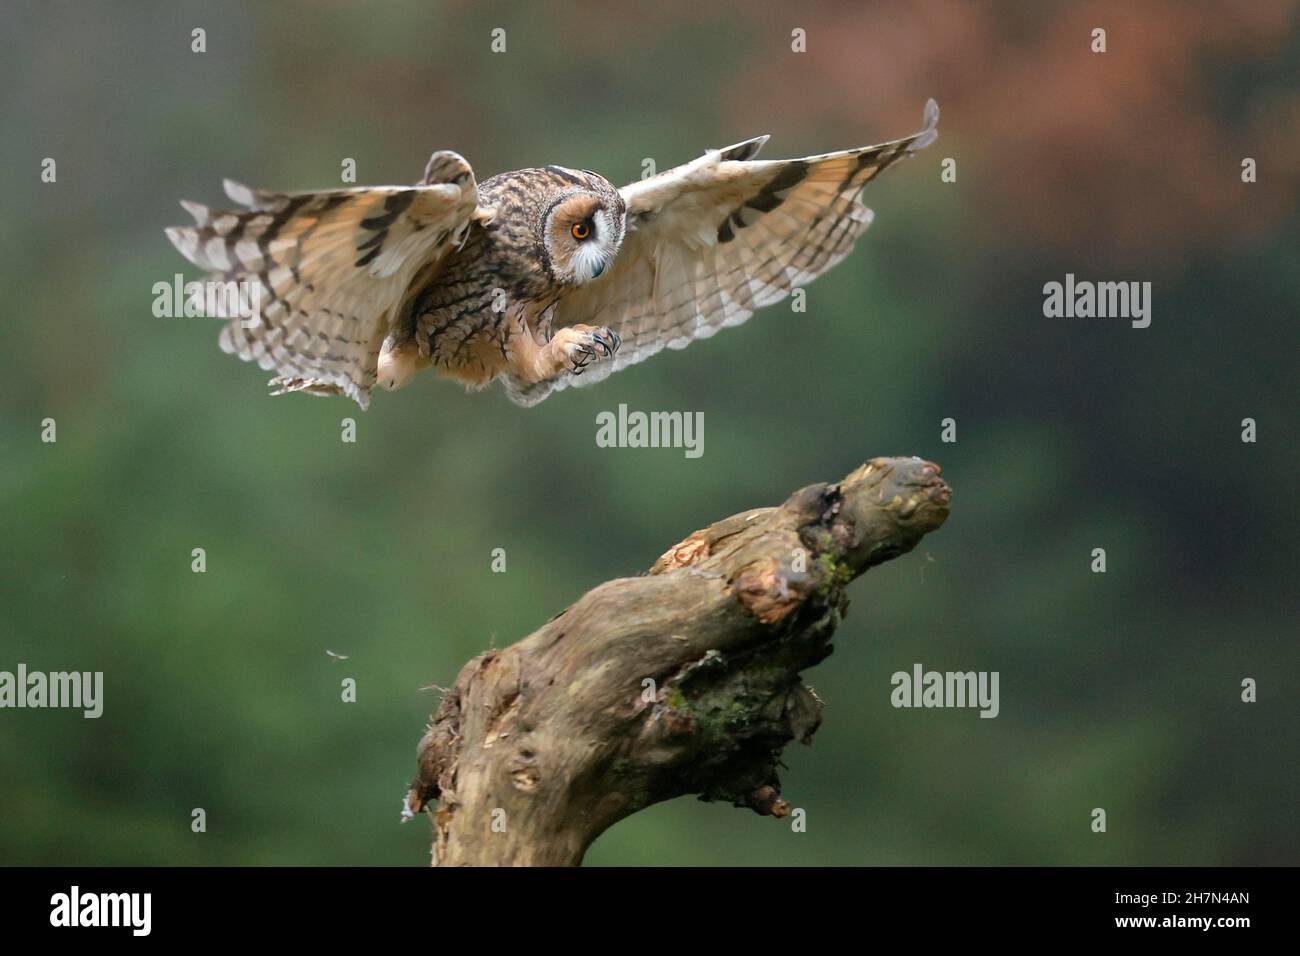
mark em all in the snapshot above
pixel 263 345
pixel 285 384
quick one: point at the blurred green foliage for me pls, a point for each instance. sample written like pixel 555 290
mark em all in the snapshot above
pixel 1118 690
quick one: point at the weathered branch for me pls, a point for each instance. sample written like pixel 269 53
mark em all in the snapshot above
pixel 539 747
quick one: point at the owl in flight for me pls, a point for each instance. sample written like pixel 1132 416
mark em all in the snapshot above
pixel 541 278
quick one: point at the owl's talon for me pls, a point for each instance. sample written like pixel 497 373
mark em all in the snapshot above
pixel 610 340
pixel 605 339
pixel 574 349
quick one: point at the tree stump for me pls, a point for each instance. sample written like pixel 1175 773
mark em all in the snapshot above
pixel 684 680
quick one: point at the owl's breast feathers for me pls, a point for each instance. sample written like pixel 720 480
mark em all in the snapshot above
pixel 466 315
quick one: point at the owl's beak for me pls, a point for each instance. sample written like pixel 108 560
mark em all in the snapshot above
pixel 595 273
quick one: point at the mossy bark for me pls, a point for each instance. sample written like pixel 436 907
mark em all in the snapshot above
pixel 685 680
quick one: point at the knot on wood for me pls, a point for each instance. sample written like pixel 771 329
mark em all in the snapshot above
pixel 770 589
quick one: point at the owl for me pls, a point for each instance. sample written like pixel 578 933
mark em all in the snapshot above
pixel 539 278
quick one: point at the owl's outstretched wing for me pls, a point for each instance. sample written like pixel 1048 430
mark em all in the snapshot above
pixel 713 240
pixel 326 269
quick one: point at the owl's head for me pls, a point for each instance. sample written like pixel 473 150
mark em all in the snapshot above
pixel 582 226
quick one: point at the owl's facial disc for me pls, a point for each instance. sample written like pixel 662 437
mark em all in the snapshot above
pixel 582 236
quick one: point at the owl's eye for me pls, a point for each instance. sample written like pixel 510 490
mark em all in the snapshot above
pixel 580 231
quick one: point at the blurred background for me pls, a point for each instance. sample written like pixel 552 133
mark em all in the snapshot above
pixel 1118 690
